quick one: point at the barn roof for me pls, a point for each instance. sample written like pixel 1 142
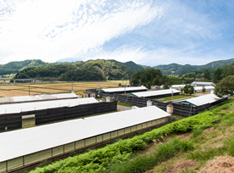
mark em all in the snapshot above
pixel 204 99
pixel 41 97
pixel 30 140
pixel 155 93
pixel 123 89
pixel 41 105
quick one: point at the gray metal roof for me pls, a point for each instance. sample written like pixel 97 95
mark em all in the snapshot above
pixel 155 93
pixel 200 88
pixel 204 99
pixel 42 105
pixel 27 141
pixel 123 89
pixel 41 97
pixel 202 83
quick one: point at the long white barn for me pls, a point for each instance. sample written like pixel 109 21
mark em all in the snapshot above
pixel 156 94
pixel 42 97
pixel 27 146
pixel 123 89
pixel 41 105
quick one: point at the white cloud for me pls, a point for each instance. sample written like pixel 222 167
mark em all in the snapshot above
pixel 53 30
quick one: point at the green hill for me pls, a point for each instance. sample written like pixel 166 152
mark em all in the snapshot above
pixel 16 66
pixel 81 71
pixel 178 69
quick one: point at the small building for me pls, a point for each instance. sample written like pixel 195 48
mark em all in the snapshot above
pixel 201 100
pixel 89 94
pixel 44 142
pixel 80 95
pixel 196 83
pixel 198 89
pixel 156 94
pixel 178 87
pixel 23 80
pixel 120 90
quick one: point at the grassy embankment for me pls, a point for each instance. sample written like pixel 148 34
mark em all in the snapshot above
pixel 143 152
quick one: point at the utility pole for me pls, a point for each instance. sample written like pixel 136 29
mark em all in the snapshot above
pixel 172 96
pixel 29 89
pixel 72 86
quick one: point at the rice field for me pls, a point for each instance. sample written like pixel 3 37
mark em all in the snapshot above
pixel 10 90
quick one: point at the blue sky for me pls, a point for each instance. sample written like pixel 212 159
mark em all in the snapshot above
pixel 148 32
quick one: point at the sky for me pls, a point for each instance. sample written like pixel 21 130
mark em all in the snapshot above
pixel 148 32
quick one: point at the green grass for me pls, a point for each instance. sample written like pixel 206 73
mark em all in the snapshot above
pixel 142 163
pixel 206 155
pixel 28 123
pixel 229 145
pixel 124 104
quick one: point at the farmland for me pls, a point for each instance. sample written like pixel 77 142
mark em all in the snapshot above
pixel 10 90
pixel 196 140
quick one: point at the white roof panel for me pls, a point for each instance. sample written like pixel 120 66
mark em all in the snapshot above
pixel 122 89
pixel 37 97
pixel 199 88
pixel 204 99
pixel 40 105
pixel 155 93
pixel 202 83
pixel 178 86
pixel 30 140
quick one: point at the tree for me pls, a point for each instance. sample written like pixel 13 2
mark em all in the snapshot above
pixel 148 85
pixel 203 89
pixel 166 85
pixel 207 74
pixel 217 76
pixel 188 89
pixel 149 75
pixel 225 86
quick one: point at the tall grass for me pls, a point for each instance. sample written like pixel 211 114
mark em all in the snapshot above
pixel 142 163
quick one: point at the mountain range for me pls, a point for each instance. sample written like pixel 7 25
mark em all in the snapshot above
pixel 178 69
pixel 102 65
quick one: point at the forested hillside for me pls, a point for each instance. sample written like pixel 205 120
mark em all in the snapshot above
pixel 82 71
pixel 16 66
pixel 178 69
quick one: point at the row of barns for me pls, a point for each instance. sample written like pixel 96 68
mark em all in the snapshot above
pixel 28 146
pixel 24 147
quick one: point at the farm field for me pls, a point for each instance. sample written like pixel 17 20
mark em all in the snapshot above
pixel 201 143
pixel 10 90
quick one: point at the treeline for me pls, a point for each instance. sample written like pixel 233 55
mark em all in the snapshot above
pixel 154 77
pixel 79 71
pixel 218 74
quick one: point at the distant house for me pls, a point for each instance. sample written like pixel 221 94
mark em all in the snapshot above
pixel 199 89
pixel 195 83
pixel 89 94
pixel 79 95
pixel 178 87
